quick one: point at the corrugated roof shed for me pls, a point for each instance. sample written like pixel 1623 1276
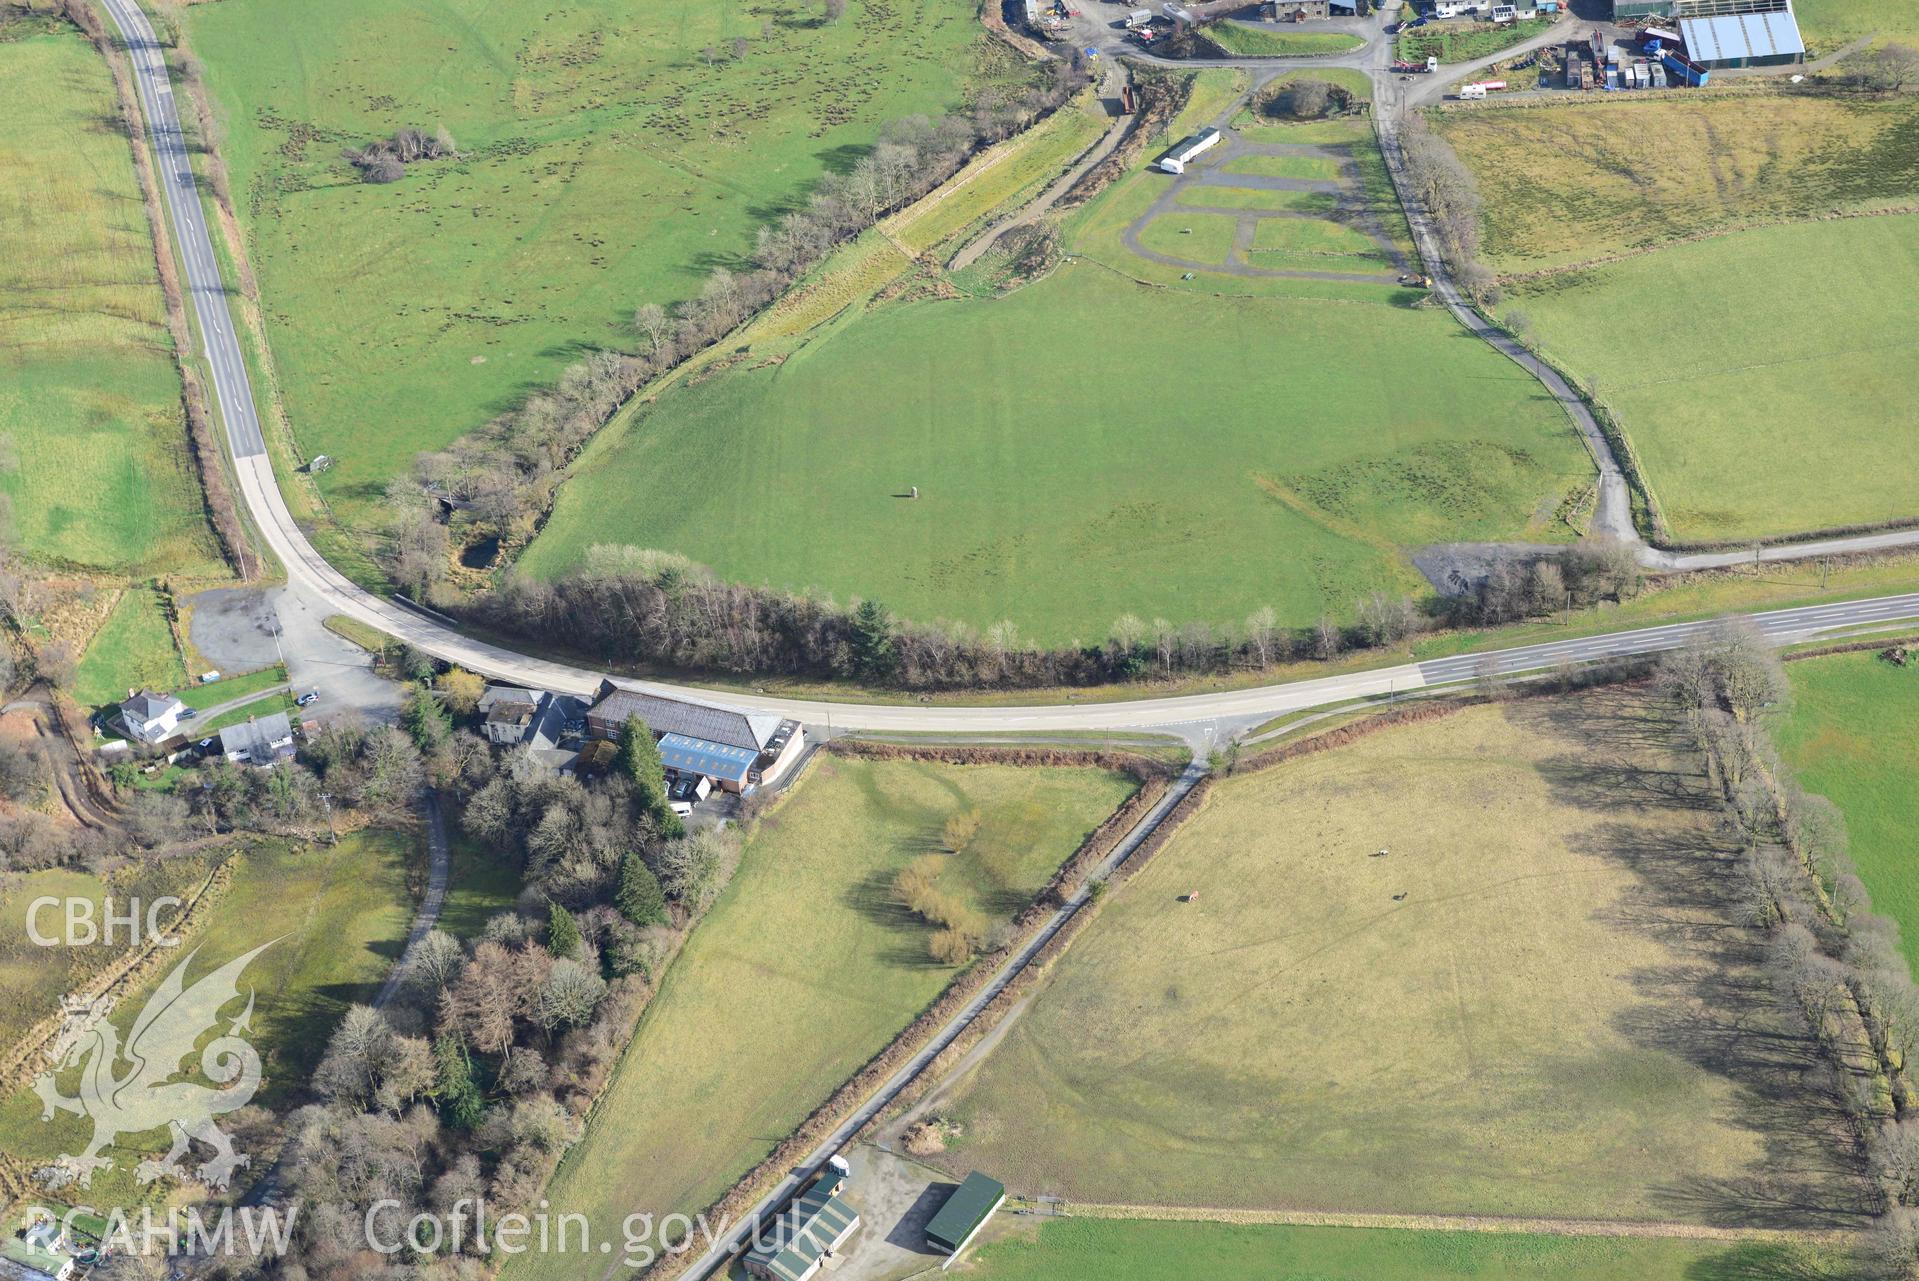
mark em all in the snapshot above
pixel 816 1222
pixel 972 1201
pixel 1742 37
pixel 714 760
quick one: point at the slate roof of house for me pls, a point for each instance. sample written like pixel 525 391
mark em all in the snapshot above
pixel 255 738
pixel 724 725
pixel 147 705
pixel 815 1222
pixel 507 694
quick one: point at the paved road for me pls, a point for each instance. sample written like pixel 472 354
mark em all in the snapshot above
pixel 1015 965
pixel 321 589
pixel 233 392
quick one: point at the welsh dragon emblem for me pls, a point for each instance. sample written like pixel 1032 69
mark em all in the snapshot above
pixel 147 1096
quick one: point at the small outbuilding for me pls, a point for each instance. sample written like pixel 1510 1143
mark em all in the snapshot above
pixel 1176 160
pixel 965 1212
pixel 807 1234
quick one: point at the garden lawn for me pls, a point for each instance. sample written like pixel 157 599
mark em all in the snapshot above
pixel 212 694
pixel 1765 377
pixel 1245 468
pixel 265 705
pixel 1439 970
pixel 1853 737
pixel 1137 1250
pixel 95 465
pixel 612 153
pixel 803 971
pixel 336 916
pixel 133 649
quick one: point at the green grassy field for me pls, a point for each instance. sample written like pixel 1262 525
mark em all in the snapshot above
pixel 1316 168
pixel 1135 1250
pixel 1853 736
pixel 605 163
pixel 133 649
pixel 1828 24
pixel 34 978
pixel 1249 41
pixel 93 454
pixel 1453 41
pixel 1759 377
pixel 1764 377
pixel 1316 202
pixel 803 971
pixel 1250 471
pixel 484 882
pixel 1496 1016
pixel 1307 239
pixel 339 914
pixel 1572 183
pixel 1003 178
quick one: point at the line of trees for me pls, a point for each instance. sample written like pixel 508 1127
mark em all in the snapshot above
pixel 637 606
pixel 1831 958
pixel 500 478
pixel 1449 193
pixel 654 609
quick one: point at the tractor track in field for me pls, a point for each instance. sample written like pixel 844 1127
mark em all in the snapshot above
pixel 1645 1229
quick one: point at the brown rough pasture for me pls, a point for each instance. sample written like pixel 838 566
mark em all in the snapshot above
pixel 1538 1000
